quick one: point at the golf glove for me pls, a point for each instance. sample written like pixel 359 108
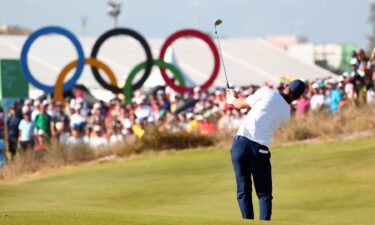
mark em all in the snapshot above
pixel 230 99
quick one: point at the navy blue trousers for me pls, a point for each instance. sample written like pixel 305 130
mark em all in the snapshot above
pixel 251 159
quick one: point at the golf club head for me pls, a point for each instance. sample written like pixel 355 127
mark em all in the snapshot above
pixel 218 22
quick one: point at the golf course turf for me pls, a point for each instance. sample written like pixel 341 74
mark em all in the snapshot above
pixel 313 184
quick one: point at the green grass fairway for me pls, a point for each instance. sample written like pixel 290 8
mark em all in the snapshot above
pixel 313 184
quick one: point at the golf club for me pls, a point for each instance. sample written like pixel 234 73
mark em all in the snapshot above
pixel 217 23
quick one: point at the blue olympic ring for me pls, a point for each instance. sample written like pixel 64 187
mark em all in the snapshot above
pixel 55 30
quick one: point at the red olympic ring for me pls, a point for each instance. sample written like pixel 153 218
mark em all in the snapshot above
pixel 210 43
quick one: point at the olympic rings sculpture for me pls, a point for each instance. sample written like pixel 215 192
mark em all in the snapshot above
pixel 95 64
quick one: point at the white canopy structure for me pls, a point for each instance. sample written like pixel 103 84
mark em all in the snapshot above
pixel 248 60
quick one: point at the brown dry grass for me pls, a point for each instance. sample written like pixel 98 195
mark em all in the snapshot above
pixel 327 126
pixel 59 155
pixel 165 140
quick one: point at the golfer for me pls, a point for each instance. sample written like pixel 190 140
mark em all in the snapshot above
pixel 250 154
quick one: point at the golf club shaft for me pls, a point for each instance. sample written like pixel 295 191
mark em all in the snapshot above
pixel 222 59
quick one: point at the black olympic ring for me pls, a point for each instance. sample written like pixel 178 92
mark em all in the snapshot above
pixel 142 41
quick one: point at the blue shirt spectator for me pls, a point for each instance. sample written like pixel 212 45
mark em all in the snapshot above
pixel 2 151
pixel 336 97
pixel 27 128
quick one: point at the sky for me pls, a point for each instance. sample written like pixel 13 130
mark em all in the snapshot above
pixel 321 21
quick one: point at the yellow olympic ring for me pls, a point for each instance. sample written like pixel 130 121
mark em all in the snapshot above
pixel 59 94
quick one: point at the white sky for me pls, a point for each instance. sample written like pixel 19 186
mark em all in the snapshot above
pixel 322 21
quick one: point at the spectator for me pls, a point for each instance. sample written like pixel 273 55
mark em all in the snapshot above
pixel 60 132
pixel 142 111
pixel 302 106
pixel 130 137
pixel 43 120
pixel 116 136
pixel 193 125
pixel 317 99
pixel 97 118
pixel 208 126
pixel 182 122
pixel 76 138
pixel 13 122
pixel 35 109
pixel 336 96
pixel 98 140
pixel 61 117
pixel 2 152
pixel 41 142
pixel 138 128
pixel 78 119
pixel 27 129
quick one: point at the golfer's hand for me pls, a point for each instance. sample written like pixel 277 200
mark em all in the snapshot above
pixel 230 96
pixel 231 91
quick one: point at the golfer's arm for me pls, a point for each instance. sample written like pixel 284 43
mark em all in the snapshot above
pixel 240 103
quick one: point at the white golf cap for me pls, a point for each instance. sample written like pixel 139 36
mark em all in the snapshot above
pixel 59 125
pixel 189 115
pixel 151 119
pixel 77 107
pixel 97 105
pixel 41 132
pixel 25 109
pixel 197 89
pixel 36 103
pixel 79 100
pixel 215 109
pixel 97 128
pixel 353 61
pixel 127 124
pixel 332 81
pixel 315 85
pixel 199 117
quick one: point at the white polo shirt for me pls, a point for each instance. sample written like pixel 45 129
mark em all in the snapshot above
pixel 268 111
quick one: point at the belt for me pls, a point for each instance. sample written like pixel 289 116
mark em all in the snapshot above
pixel 254 142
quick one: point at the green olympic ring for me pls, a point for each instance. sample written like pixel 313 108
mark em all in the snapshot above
pixel 158 62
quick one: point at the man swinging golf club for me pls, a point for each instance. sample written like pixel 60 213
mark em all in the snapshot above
pixel 250 154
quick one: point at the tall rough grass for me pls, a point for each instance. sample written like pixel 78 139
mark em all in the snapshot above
pixel 58 155
pixel 164 140
pixel 325 125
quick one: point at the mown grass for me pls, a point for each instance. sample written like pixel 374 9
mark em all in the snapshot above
pixel 313 184
pixel 105 218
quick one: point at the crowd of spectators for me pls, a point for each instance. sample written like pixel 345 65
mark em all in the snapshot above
pixel 33 123
pixel 352 88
